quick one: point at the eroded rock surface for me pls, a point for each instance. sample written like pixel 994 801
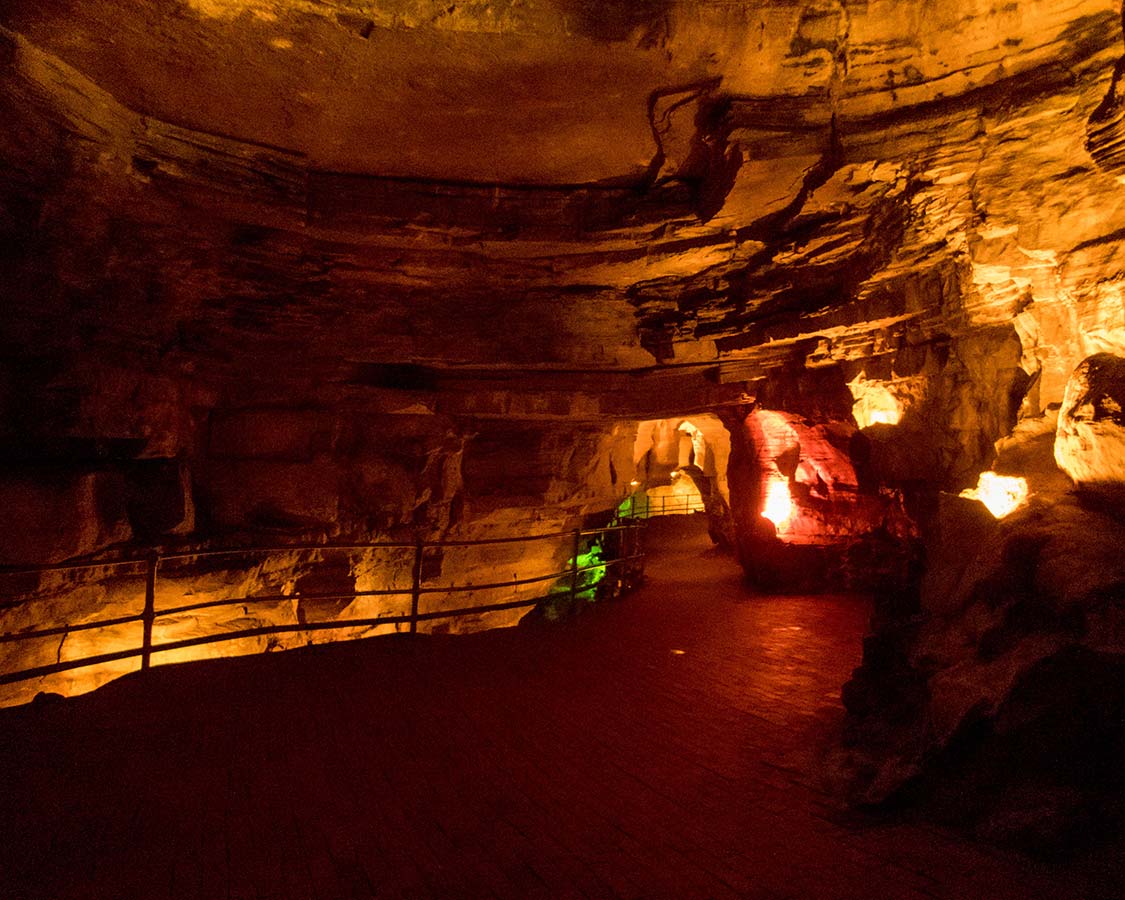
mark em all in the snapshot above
pixel 282 271
pixel 998 696
pixel 1090 440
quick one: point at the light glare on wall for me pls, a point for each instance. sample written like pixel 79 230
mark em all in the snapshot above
pixel 1002 494
pixel 874 404
pixel 779 505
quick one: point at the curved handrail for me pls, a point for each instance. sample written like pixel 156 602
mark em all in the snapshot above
pixel 630 559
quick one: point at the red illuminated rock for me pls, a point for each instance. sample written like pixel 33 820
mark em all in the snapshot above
pixel 804 521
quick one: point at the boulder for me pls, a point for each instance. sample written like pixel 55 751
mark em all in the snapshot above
pixel 1090 439
pixel 983 701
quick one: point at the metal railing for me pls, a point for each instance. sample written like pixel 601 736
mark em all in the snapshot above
pixel 626 566
pixel 644 506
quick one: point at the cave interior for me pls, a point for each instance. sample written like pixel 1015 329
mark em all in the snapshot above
pixel 328 320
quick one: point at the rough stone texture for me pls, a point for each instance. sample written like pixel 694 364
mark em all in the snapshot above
pixel 304 270
pixel 1090 440
pixel 845 526
pixel 585 761
pixel 997 697
pixel 956 400
pixel 838 534
pixel 273 245
pixel 55 515
pixel 664 445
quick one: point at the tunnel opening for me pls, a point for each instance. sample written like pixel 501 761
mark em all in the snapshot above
pixel 680 467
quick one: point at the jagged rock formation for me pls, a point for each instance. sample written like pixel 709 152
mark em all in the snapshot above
pixel 811 513
pixel 174 254
pixel 294 270
pixel 1090 444
pixel 998 696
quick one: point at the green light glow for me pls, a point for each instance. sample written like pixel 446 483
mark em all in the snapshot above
pixel 634 506
pixel 590 575
pixel 588 580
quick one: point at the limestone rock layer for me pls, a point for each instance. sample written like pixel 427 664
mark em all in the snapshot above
pixel 354 270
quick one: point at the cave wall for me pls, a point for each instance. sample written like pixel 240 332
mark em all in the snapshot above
pixel 271 476
pixel 995 697
pixel 665 445
pixel 351 270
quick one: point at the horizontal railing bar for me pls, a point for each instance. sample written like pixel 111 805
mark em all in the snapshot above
pixel 66 567
pixel 292 548
pixel 462 588
pixel 236 551
pixel 236 601
pixel 100 659
pixel 451 589
pixel 262 630
pixel 66 629
pixel 388 545
pixel 593 531
pixel 511 540
pixel 468 610
pixel 55 668
pixel 279 598
pixel 42 671
pixel 339 623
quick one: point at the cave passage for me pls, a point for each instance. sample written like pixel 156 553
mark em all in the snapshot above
pixel 332 320
pixel 662 746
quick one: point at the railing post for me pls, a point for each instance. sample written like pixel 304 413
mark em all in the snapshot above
pixel 149 614
pixel 626 562
pixel 416 590
pixel 574 564
pixel 642 552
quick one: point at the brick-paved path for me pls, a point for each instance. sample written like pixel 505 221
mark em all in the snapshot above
pixel 584 760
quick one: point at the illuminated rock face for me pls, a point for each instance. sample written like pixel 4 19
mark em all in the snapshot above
pixel 805 521
pixel 1090 441
pixel 1001 495
pixel 996 695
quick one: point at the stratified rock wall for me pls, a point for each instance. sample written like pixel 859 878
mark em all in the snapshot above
pixel 302 270
pixel 1090 442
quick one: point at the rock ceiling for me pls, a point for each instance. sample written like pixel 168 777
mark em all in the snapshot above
pixel 563 208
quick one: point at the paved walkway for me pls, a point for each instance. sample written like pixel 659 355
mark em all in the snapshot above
pixel 658 747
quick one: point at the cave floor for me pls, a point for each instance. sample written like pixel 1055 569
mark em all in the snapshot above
pixel 664 746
